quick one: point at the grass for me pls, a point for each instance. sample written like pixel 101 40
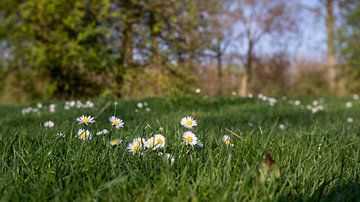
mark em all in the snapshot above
pixel 318 154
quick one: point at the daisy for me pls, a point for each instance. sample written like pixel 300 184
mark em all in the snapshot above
pixel 85 119
pixel 118 123
pixel 49 124
pixel 188 122
pixel 139 105
pixel 282 126
pixel 115 142
pixel 89 104
pixel 150 143
pixel 350 120
pixel 159 140
pixel 348 104
pixel 84 134
pixel 102 132
pixel 134 147
pixel 140 141
pixel 227 140
pixel 190 138
pixel 52 108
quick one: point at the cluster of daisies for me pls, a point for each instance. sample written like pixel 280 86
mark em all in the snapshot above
pixel 52 107
pixel 270 100
pixel 84 134
pixel 78 104
pixel 38 108
pixel 142 106
pixel 138 144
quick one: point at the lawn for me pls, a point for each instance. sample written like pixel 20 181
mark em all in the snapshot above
pixel 318 154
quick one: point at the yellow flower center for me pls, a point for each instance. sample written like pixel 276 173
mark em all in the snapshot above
pixel 114 142
pixel 83 135
pixel 189 139
pixel 136 148
pixel 227 142
pixel 151 143
pixel 159 141
pixel 116 122
pixel 189 123
pixel 85 119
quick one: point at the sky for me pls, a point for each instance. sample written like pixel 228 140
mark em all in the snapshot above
pixel 314 34
pixel 309 44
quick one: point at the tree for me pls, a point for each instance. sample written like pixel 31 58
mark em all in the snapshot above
pixel 257 19
pixel 331 59
pixel 349 43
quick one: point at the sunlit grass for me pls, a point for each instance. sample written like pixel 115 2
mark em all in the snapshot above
pixel 318 153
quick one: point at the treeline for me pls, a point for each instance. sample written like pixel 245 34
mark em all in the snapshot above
pixel 88 48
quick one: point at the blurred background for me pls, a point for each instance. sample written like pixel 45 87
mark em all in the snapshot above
pixel 61 49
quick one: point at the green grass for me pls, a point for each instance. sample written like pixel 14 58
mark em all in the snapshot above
pixel 318 154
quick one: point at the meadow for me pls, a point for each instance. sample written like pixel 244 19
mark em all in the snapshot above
pixel 314 144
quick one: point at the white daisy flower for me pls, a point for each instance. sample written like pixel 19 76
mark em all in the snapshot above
pixel 297 102
pixel 348 104
pixel 85 119
pixel 89 104
pixel 150 143
pixel 115 142
pixel 159 141
pixel 147 109
pixel 134 147
pixel 140 141
pixel 49 124
pixel 84 134
pixel 282 126
pixel 198 90
pixel 227 140
pixel 118 123
pixel 52 108
pixel 140 105
pixel 39 105
pixel 72 103
pixel 102 132
pixel 190 138
pixel 355 96
pixel 350 120
pixel 188 122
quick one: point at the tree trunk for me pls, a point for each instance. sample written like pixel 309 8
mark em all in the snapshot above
pixel 332 71
pixel 246 80
pixel 155 53
pixel 220 68
pixel 126 49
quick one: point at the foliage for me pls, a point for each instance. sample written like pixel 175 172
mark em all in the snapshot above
pixel 349 43
pixel 85 48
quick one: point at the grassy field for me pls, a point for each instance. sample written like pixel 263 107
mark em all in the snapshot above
pixel 318 154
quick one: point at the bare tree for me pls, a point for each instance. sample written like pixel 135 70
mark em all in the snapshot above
pixel 222 36
pixel 330 21
pixel 257 19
